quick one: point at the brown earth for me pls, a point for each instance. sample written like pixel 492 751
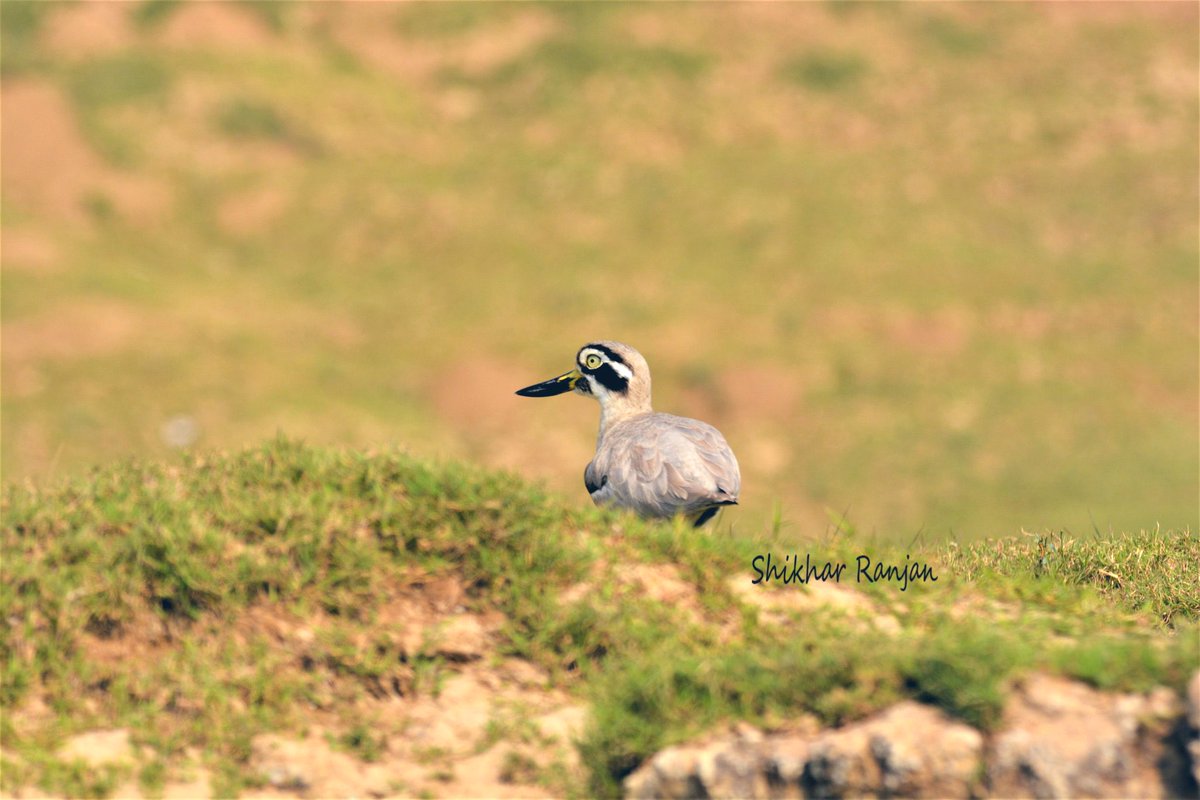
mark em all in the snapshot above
pixel 87 30
pixel 495 726
pixel 491 728
pixel 50 169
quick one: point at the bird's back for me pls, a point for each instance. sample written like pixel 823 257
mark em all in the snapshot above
pixel 661 465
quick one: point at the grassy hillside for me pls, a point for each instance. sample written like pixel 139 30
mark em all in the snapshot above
pixel 151 596
pixel 929 266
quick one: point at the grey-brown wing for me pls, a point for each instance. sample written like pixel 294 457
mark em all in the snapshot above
pixel 675 465
pixel 718 459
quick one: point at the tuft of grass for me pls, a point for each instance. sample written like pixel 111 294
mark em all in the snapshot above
pixel 954 37
pixel 77 779
pixel 152 777
pixel 151 13
pixel 422 20
pixel 361 741
pixel 1151 571
pixel 245 118
pixel 964 669
pixel 518 767
pixel 273 13
pixel 826 71
pixel 20 22
pixel 249 119
pixel 120 79
pixel 109 84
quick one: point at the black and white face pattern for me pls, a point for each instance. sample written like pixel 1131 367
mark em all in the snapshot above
pixel 604 371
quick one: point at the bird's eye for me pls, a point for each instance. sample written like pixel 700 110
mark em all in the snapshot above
pixel 592 361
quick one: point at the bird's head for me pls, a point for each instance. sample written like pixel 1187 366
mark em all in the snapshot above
pixel 613 373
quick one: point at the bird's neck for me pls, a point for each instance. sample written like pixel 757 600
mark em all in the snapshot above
pixel 615 410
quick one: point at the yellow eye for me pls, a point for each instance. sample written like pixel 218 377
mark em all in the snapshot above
pixel 592 361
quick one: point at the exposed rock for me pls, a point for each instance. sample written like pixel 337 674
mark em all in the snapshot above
pixel 1061 738
pixel 1193 713
pixel 673 772
pixel 910 750
pixel 1193 702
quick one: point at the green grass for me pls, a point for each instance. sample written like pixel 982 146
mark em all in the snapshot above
pixel 120 79
pixel 826 71
pixel 20 23
pixel 197 547
pixel 951 260
pixel 1152 572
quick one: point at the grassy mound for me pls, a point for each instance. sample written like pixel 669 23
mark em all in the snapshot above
pixel 139 597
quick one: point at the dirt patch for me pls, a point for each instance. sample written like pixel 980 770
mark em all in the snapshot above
pixel 110 644
pixel 487 727
pixel 185 134
pixel 757 393
pixel 1071 15
pixel 765 454
pixel 213 24
pixel 370 31
pixel 474 393
pixel 779 606
pixel 659 582
pixel 48 167
pixel 486 50
pixel 28 251
pixel 945 332
pixel 103 748
pixel 312 767
pixel 87 30
pixel 73 330
pixel 253 210
pixel 663 583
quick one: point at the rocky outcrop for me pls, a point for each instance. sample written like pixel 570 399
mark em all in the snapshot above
pixel 1063 739
pixel 910 749
pixel 1057 738
pixel 1193 726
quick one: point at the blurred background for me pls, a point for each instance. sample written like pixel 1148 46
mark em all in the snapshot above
pixel 930 267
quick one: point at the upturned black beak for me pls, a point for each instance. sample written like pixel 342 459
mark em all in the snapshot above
pixel 560 385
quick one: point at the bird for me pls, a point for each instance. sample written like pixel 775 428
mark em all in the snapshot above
pixel 654 464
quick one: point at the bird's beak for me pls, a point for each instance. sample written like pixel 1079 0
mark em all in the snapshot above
pixel 560 385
